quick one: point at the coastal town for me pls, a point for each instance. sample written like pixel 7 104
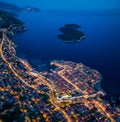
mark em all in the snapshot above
pixel 71 92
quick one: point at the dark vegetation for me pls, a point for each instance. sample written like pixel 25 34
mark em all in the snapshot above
pixel 71 33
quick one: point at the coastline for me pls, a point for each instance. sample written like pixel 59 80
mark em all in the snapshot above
pixel 36 87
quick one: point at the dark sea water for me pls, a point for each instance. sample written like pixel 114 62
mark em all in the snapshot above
pixel 100 50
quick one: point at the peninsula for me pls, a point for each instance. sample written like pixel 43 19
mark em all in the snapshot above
pixel 9 21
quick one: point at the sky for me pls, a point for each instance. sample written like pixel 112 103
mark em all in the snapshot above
pixel 69 4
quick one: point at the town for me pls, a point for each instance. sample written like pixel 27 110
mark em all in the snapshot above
pixel 69 93
pixel 69 87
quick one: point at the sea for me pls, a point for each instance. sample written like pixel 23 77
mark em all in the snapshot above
pixel 100 49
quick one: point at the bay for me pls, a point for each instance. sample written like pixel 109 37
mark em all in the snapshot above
pixel 100 50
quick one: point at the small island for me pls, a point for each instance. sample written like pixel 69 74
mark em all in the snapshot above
pixel 31 9
pixel 71 34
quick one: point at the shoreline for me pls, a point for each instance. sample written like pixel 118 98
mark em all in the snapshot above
pixel 38 93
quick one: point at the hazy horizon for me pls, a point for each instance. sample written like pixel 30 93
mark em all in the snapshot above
pixel 70 4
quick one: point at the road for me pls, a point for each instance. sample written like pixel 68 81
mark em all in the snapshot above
pixel 98 105
pixel 103 110
pixel 51 87
pixel 31 86
pixel 76 87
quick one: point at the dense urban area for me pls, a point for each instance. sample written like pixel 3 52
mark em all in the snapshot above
pixel 69 93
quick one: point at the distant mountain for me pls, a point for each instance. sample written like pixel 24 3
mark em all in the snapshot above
pixel 13 8
pixel 9 7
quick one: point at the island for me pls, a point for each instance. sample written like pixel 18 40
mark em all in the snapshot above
pixel 31 9
pixel 71 92
pixel 71 34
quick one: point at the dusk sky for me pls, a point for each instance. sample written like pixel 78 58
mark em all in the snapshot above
pixel 70 4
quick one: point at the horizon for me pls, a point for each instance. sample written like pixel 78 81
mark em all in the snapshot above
pixel 70 5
